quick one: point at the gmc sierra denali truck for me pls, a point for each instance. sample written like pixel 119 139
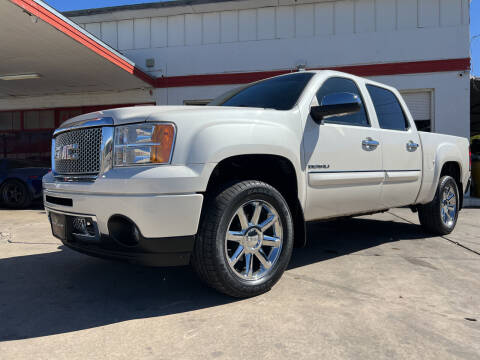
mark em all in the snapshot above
pixel 229 187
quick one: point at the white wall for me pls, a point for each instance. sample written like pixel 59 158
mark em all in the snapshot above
pixel 252 35
pixel 260 35
pixel 450 91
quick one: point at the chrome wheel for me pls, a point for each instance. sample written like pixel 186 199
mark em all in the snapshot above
pixel 254 240
pixel 448 206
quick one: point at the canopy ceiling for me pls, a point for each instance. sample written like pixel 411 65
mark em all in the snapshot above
pixel 36 39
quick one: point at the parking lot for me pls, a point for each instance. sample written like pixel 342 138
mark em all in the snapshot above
pixel 365 288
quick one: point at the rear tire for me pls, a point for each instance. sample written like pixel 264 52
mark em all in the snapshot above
pixel 439 217
pixel 245 239
pixel 15 194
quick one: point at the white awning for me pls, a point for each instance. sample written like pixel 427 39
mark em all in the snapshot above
pixel 42 52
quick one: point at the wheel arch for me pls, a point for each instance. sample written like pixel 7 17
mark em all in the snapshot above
pixel 275 170
pixel 445 160
pixel 453 169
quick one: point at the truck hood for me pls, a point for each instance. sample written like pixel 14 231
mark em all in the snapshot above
pixel 174 114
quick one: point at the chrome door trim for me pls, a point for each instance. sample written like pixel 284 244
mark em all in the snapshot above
pixel 318 179
pixel 402 176
pixel 361 177
pixel 358 171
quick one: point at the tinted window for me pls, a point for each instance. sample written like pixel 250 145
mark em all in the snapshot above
pixel 280 93
pixel 389 112
pixel 342 85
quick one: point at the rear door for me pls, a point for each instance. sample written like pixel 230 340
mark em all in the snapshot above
pixel 402 153
pixel 343 158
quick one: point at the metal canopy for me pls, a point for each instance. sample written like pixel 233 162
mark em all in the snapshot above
pixel 35 39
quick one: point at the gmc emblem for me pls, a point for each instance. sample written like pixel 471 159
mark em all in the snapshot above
pixel 67 152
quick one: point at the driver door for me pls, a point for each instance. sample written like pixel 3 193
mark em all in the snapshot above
pixel 343 155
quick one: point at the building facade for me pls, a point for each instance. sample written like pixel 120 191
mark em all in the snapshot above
pixel 195 50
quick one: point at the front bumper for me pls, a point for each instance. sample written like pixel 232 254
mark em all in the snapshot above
pixel 166 223
pixel 173 251
pixel 156 216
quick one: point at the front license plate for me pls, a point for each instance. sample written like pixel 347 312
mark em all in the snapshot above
pixel 58 222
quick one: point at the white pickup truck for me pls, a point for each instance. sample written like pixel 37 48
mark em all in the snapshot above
pixel 229 187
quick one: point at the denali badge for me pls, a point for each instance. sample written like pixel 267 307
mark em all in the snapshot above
pixel 327 166
pixel 67 152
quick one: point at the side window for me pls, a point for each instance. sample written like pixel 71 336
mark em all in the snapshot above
pixel 389 111
pixel 342 85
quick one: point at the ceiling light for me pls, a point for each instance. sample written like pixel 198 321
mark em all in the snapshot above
pixel 20 76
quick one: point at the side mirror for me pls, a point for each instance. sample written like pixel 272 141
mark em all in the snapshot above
pixel 336 104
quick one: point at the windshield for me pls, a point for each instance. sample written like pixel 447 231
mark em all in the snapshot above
pixel 279 93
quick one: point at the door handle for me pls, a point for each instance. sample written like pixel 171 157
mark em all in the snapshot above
pixel 412 146
pixel 369 144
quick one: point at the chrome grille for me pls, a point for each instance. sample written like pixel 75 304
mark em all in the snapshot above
pixel 88 143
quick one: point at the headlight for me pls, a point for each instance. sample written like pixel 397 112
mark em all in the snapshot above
pixel 143 144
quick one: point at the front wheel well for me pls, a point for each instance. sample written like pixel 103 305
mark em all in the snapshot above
pixel 274 170
pixel 452 168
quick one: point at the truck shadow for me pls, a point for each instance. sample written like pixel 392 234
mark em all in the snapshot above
pixel 62 291
pixel 327 240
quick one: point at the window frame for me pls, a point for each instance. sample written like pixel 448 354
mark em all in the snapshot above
pixel 405 117
pixel 367 115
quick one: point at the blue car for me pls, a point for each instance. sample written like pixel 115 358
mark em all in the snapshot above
pixel 20 182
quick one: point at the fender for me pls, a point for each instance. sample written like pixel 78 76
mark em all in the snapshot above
pixel 222 140
pixel 432 168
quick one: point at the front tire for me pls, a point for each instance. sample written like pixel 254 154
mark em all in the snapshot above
pixel 245 239
pixel 439 217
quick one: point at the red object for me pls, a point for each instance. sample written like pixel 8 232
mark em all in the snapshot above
pixel 397 68
pixel 28 143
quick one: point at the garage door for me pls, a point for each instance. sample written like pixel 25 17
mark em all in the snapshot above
pixel 420 106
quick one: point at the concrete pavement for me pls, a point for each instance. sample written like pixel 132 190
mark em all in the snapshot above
pixel 367 288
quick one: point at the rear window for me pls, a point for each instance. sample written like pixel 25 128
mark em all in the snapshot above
pixel 389 111
pixel 279 93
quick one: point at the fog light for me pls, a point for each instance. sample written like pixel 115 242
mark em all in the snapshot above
pixel 83 226
pixel 79 225
pixel 124 231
